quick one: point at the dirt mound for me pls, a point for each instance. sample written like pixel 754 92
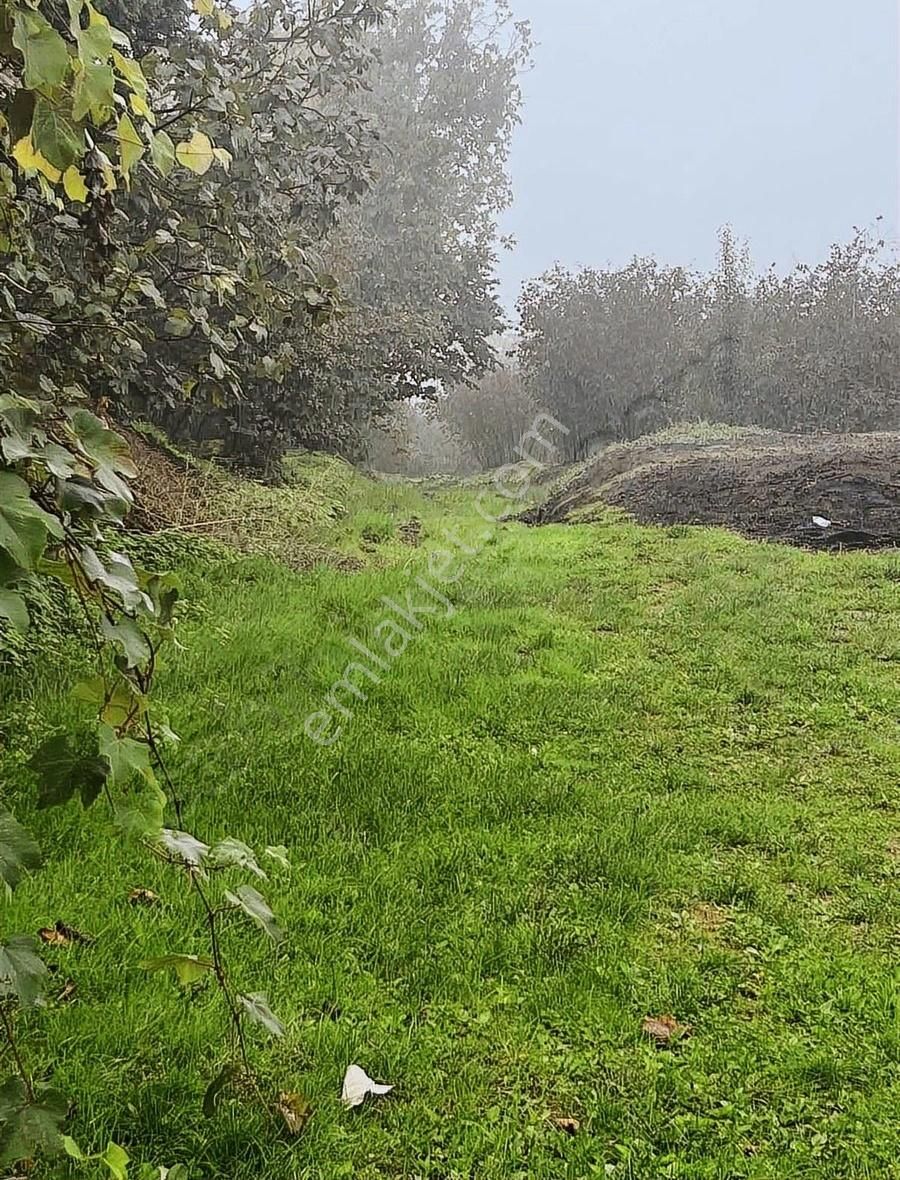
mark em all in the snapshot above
pixel 764 485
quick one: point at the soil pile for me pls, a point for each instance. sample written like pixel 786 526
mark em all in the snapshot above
pixel 767 486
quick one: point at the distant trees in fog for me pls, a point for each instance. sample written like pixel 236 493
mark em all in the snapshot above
pixel 615 354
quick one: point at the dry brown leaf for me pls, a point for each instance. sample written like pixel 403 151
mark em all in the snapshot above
pixel 295 1110
pixel 67 992
pixel 569 1126
pixel 143 897
pixel 664 1029
pixel 710 918
pixel 62 935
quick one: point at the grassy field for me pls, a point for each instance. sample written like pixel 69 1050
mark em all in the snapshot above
pixel 635 773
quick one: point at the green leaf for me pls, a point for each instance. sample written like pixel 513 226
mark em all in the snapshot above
pixel 140 806
pixel 162 153
pixel 56 135
pixel 60 462
pixel 126 757
pixel 79 497
pixel 62 771
pixel 10 573
pixel 44 51
pixel 196 154
pixel 179 323
pixel 131 146
pixel 20 419
pixel 95 43
pixel 188 968
pixel 163 591
pixel 24 525
pixel 231 852
pixel 19 854
pixel 246 898
pixel 116 574
pixel 214 1090
pixel 94 92
pixel 116 1160
pixel 29 1128
pixel 22 973
pixel 117 707
pixel 184 847
pixel 141 811
pixel 71 1148
pixel 127 635
pixel 257 1008
pixel 13 608
pixel 131 72
pixel 12 1096
pixel 279 854
pixel 102 446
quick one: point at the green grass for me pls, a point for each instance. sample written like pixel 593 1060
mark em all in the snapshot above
pixel 638 772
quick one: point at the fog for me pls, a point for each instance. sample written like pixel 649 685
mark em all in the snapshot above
pixel 648 124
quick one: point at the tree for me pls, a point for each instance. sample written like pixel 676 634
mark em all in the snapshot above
pixel 211 275
pixel 490 418
pixel 600 350
pixel 421 246
pixel 395 184
pixel 615 354
pixel 726 325
pixel 149 23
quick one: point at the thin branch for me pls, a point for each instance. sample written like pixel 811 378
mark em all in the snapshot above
pixel 14 1050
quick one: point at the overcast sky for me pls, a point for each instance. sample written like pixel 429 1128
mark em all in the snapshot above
pixel 649 123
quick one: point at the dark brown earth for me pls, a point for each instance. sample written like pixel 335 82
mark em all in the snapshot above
pixel 766 486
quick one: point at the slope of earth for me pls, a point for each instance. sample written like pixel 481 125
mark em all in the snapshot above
pixel 620 773
pixel 764 485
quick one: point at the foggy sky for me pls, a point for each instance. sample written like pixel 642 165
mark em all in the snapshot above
pixel 649 123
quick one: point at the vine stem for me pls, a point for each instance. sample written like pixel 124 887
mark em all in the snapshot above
pixel 176 799
pixel 222 979
pixel 14 1050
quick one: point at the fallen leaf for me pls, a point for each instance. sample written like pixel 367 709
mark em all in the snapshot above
pixel 710 918
pixel 358 1086
pixel 62 935
pixel 143 897
pixel 295 1110
pixel 664 1029
pixel 569 1126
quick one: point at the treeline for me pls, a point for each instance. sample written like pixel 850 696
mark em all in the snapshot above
pixel 305 236
pixel 614 354
pixel 619 353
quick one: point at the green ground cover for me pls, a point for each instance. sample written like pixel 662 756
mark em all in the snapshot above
pixel 635 773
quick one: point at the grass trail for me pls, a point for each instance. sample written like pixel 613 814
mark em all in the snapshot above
pixel 638 772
